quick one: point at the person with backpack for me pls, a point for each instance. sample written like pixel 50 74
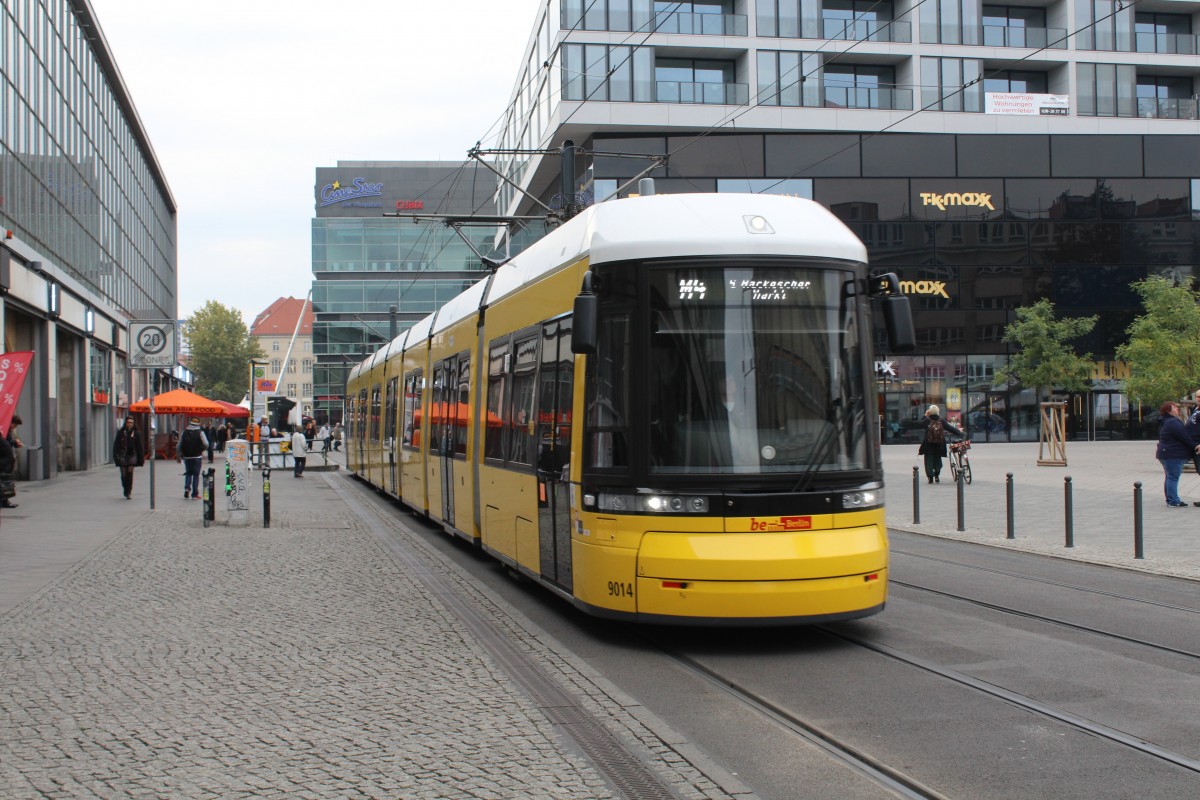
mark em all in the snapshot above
pixel 933 447
pixel 192 446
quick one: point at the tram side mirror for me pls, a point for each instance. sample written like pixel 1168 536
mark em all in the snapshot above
pixel 584 324
pixel 897 316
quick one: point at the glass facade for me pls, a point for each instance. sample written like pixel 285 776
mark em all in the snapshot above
pixel 365 266
pixel 77 180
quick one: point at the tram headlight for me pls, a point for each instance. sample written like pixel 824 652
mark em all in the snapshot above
pixel 864 497
pixel 651 503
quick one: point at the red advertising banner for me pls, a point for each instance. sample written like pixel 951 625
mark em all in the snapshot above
pixel 13 369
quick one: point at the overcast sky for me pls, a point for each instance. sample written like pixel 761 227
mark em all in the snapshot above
pixel 244 99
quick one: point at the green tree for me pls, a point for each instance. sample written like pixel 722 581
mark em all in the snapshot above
pixel 1044 357
pixel 221 349
pixel 1163 351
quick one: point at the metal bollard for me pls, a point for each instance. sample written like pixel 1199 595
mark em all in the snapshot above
pixel 1138 551
pixel 1012 521
pixel 916 496
pixel 210 489
pixel 1069 505
pixel 962 517
pixel 266 498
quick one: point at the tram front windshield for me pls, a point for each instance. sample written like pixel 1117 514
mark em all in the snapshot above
pixel 754 370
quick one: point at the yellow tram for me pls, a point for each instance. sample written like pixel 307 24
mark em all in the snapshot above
pixel 663 411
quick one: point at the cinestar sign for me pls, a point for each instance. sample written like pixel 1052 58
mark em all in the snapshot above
pixel 337 193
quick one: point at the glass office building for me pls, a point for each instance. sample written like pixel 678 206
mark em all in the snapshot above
pixel 989 155
pixel 89 232
pixel 375 275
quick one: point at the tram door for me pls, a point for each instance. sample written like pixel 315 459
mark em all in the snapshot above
pixel 441 433
pixel 556 376
pixel 389 437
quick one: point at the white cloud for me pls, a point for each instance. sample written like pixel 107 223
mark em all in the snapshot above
pixel 244 99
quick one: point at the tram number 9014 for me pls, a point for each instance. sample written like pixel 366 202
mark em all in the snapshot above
pixel 618 589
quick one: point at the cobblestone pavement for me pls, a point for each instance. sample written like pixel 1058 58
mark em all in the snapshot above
pixel 301 661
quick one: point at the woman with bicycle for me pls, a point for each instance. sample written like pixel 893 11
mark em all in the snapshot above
pixel 933 446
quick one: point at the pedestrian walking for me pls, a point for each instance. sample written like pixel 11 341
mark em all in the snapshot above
pixel 14 444
pixel 933 446
pixel 299 452
pixel 325 435
pixel 8 462
pixel 1174 448
pixel 337 436
pixel 192 445
pixel 222 437
pixel 210 436
pixel 128 452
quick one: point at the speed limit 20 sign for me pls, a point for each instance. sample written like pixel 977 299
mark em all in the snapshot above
pixel 152 344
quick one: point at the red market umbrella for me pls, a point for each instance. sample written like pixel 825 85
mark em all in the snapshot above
pixel 180 401
pixel 232 410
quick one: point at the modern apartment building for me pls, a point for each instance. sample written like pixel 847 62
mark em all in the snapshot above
pixel 375 275
pixel 87 234
pixel 991 155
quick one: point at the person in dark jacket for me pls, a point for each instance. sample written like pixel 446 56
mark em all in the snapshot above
pixel 1174 448
pixel 933 446
pixel 8 462
pixel 128 452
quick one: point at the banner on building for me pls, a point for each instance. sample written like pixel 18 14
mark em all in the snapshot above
pixel 1020 103
pixel 13 369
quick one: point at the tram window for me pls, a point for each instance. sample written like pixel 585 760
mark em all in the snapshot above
pixel 410 407
pixel 376 403
pixel 608 394
pixel 464 402
pixel 520 445
pixel 496 399
pixel 437 409
pixel 361 420
pixel 389 426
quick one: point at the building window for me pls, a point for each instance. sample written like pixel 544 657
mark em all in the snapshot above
pixel 275 366
pixel 275 346
pixel 291 365
pixel 692 80
pixel 862 86
pixel 952 84
pixel 1165 96
pixel 1014 26
pixel 789 78
pixel 1106 90
pixel 307 364
pixel 1013 81
pixel 1164 33
pixel 856 20
pixel 1104 25
pixel 306 345
pixel 950 22
pixel 607 73
pixel 307 389
pixel 291 390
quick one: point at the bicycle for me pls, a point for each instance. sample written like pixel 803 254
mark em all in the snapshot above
pixel 959 461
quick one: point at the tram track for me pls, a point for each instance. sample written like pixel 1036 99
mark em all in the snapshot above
pixel 897 782
pixel 1048 620
pixel 1046 582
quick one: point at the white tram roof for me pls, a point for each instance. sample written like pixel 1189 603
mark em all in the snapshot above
pixel 663 226
pixel 680 225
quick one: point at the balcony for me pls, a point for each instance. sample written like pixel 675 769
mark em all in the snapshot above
pixel 1017 36
pixel 863 30
pixel 729 94
pixel 884 98
pixel 1167 109
pixel 701 24
pixel 1177 43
